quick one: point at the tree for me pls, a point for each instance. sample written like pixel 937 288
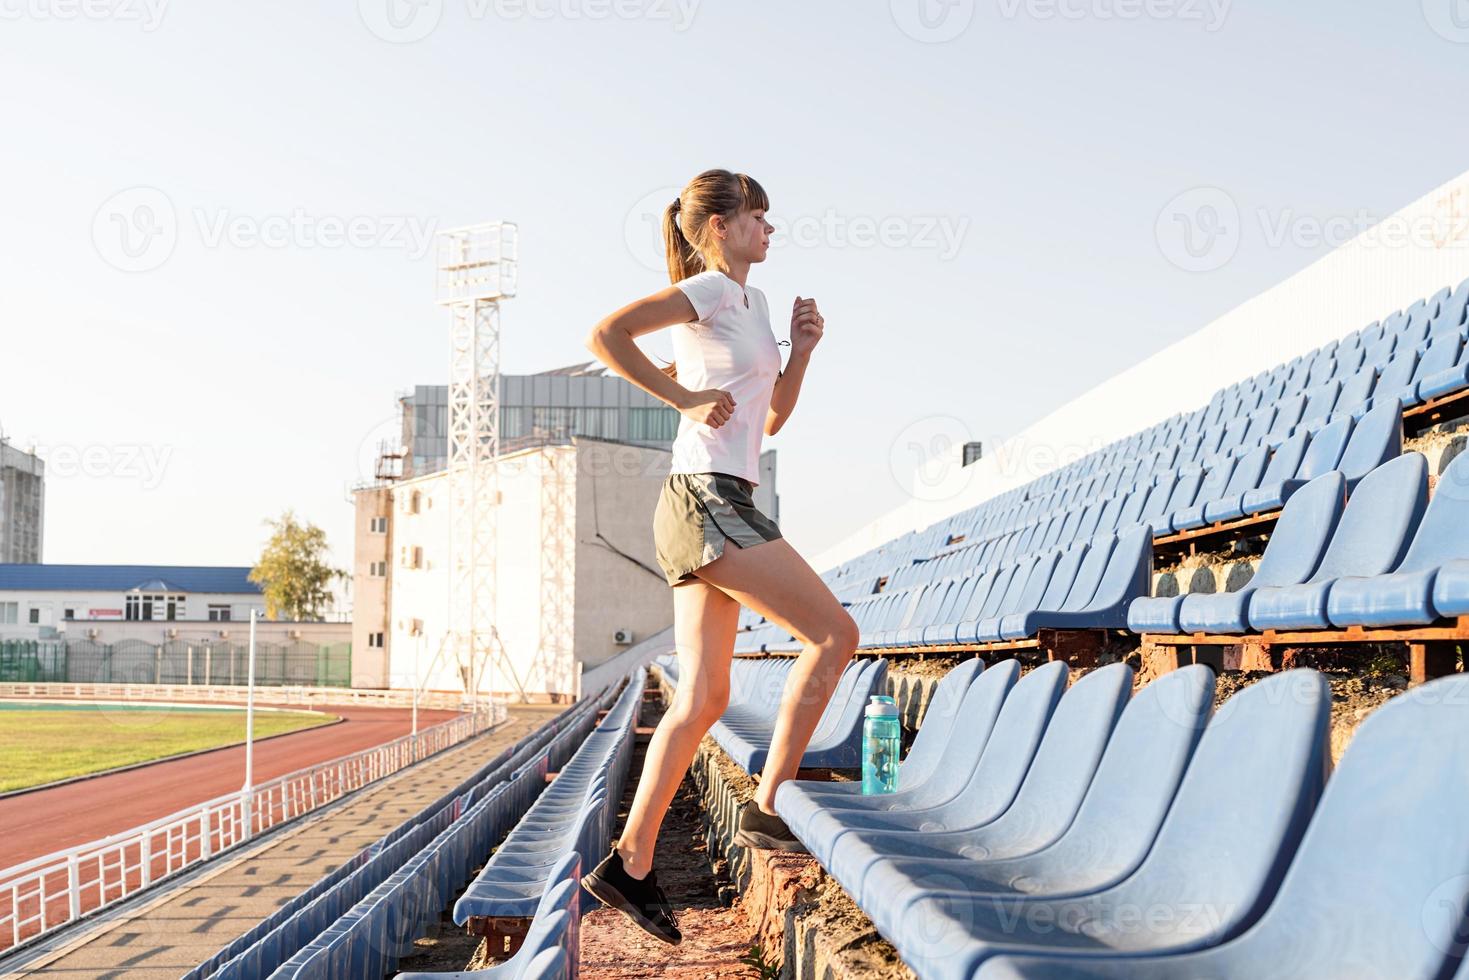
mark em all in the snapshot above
pixel 293 571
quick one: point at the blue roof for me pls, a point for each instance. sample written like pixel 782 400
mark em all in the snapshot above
pixel 125 578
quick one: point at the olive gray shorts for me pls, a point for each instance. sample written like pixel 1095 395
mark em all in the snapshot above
pixel 696 512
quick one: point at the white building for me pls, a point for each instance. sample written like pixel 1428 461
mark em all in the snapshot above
pixel 42 600
pixel 576 583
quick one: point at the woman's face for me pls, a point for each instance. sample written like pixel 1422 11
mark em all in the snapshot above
pixel 747 236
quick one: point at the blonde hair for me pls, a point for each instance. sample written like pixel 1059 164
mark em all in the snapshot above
pixel 686 237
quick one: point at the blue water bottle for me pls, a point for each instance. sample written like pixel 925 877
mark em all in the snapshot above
pixel 880 742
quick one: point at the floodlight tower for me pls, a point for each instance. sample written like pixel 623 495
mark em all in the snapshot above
pixel 476 269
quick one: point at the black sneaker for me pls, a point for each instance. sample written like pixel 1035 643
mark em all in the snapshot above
pixel 765 830
pixel 640 899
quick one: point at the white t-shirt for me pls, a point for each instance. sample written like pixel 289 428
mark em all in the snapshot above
pixel 732 347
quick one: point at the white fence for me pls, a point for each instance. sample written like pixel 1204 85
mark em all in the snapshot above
pixel 367 698
pixel 48 892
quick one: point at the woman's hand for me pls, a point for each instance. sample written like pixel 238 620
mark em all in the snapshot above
pixel 806 326
pixel 711 407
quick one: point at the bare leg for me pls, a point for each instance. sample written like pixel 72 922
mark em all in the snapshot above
pixel 704 621
pixel 775 581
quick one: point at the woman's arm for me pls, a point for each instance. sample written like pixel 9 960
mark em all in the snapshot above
pixel 612 341
pixel 806 328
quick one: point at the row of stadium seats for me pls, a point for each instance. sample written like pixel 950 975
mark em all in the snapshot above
pixel 363 917
pixel 745 728
pixel 998 572
pixel 535 871
pixel 1383 556
pixel 296 923
pixel 1044 833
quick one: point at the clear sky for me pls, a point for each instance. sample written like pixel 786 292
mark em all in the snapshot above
pixel 214 276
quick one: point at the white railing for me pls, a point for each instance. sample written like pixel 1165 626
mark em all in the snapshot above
pixel 388 698
pixel 45 893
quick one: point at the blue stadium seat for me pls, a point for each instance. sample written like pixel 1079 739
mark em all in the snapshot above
pixel 1263 761
pixel 988 790
pixel 1283 465
pixel 1404 596
pixel 925 756
pixel 1445 368
pixel 1209 489
pixel 1295 549
pixel 1394 910
pixel 745 729
pixel 1322 455
pixel 799 800
pixel 1381 516
pixel 1124 804
pixel 987 825
pixel 1376 438
pixel 1129 563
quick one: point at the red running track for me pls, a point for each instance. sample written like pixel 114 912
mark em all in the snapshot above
pixel 52 819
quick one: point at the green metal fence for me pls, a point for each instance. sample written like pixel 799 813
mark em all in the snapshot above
pixel 175 662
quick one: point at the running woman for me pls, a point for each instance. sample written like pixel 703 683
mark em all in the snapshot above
pixel 727 384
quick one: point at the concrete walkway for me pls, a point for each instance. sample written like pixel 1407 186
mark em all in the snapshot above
pixel 181 928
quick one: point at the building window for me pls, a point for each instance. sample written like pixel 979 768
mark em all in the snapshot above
pixel 69 614
pixel 35 614
pixel 652 424
pixel 8 611
pixel 379 525
pixel 175 607
pixel 375 640
pixel 377 569
pixel 134 604
pixel 415 500
pixel 219 613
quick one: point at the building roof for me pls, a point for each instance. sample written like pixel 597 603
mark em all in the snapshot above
pixel 126 578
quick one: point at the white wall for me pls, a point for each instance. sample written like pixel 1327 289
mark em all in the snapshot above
pixel 1366 279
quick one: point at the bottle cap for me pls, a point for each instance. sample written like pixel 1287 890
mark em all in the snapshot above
pixel 881 709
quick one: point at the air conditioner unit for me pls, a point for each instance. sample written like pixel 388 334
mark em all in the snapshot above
pixel 622 637
pixel 294 634
pixel 224 634
pixel 93 632
pixel 172 633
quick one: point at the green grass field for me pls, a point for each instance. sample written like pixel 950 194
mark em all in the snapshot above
pixel 44 743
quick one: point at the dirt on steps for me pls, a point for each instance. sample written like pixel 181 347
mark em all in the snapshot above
pixel 715 936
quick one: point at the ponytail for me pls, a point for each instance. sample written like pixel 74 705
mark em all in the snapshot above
pixel 686 222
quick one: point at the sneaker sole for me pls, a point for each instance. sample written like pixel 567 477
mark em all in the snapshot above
pixel 754 838
pixel 604 892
